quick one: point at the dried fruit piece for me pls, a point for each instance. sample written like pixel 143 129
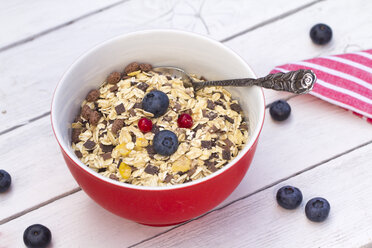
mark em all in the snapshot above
pixel 122 149
pixel 131 74
pixel 141 142
pixel 182 164
pixel 125 170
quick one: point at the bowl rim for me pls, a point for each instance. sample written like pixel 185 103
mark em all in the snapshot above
pixel 68 152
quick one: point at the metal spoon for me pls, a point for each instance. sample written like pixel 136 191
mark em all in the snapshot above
pixel 298 82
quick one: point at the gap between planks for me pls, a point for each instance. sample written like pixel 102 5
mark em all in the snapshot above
pixel 60 26
pixel 256 192
pixel 35 36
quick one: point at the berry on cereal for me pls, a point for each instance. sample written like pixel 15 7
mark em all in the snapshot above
pixel 185 121
pixel 145 125
pixel 155 102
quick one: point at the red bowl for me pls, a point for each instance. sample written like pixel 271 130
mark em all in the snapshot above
pixel 194 53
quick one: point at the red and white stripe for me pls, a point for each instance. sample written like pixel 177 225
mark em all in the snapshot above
pixel 344 80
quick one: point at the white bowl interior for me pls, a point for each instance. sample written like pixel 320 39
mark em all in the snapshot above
pixel 193 53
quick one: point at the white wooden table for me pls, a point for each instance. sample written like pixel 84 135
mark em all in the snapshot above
pixel 333 158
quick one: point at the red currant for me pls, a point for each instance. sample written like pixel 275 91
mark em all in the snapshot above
pixel 185 121
pixel 145 125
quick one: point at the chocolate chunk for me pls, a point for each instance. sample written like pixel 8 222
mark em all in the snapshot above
pixel 133 83
pixel 96 107
pixel 89 145
pixel 75 135
pixel 150 150
pixel 92 96
pixel 120 160
pixel 142 86
pixel 214 155
pixel 151 169
pixel 199 126
pixel 210 165
pixel 113 78
pixel 155 129
pixel 231 120
pixel 106 155
pixel 78 154
pixel 114 177
pixel 210 104
pixel 106 148
pixel 132 112
pixel 86 111
pixel 191 171
pixel 145 67
pixel 236 107
pixel 120 109
pixel 117 125
pixel 226 155
pixel 134 66
pixel 94 118
pixel 220 103
pixel 213 129
pixel 114 88
pixel 210 115
pixel 137 105
pixel 206 144
pixel 169 77
pixel 134 137
pixel 244 126
pixel 177 107
pixel 101 170
pixel 187 180
pixel 167 118
pixel 228 143
pixel 168 178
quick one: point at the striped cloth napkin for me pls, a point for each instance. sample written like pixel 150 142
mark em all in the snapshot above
pixel 344 80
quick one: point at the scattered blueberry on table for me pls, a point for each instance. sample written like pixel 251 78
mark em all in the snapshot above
pixel 37 236
pixel 5 181
pixel 289 197
pixel 155 102
pixel 321 34
pixel 280 110
pixel 165 143
pixel 317 209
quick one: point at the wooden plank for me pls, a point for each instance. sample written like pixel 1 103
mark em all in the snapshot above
pixel 76 221
pixel 258 221
pixel 32 157
pixel 21 20
pixel 313 125
pixel 33 69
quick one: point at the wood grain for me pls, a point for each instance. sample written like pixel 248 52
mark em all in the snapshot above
pixel 25 20
pixel 34 68
pixel 48 175
pixel 258 221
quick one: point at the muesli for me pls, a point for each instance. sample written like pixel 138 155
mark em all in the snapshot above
pixel 114 132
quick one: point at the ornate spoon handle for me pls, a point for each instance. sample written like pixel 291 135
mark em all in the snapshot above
pixel 298 82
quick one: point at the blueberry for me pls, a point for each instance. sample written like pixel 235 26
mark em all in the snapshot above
pixel 165 143
pixel 317 209
pixel 5 181
pixel 280 110
pixel 37 236
pixel 289 197
pixel 321 34
pixel 155 102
